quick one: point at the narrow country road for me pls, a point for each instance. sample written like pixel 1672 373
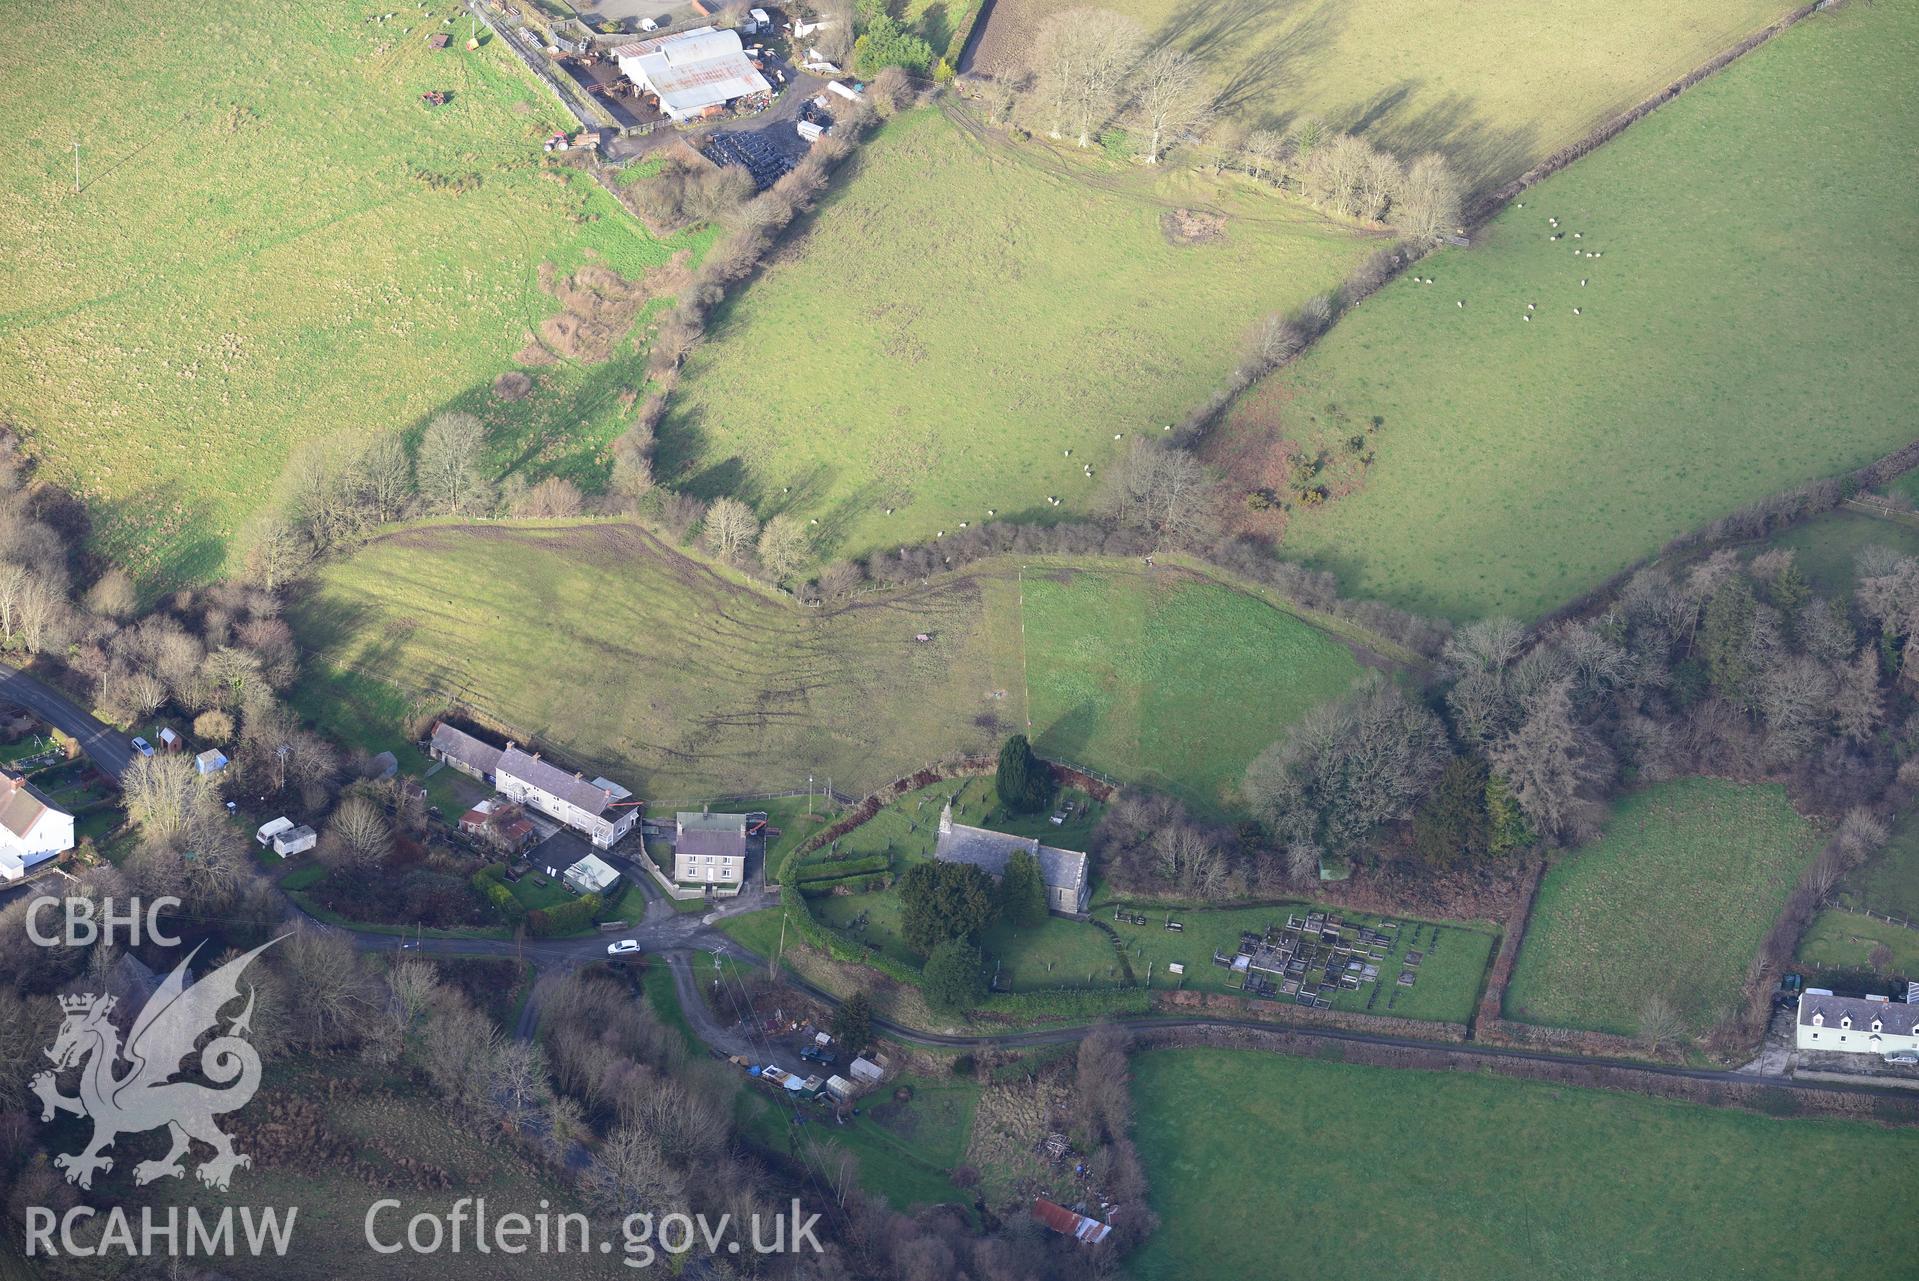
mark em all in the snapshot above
pixel 678 937
pixel 104 746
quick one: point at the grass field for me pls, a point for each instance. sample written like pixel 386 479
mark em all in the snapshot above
pixel 956 318
pixel 1495 86
pixel 276 241
pixel 906 1150
pixel 1827 547
pixel 1757 264
pixel 1358 1173
pixel 1116 679
pixel 603 644
pixel 1838 940
pixel 1673 900
pixel 1062 953
pixel 1889 881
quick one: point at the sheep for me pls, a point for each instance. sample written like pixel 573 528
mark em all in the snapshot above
pixel 1462 302
pixel 1577 236
pixel 1526 318
pixel 1115 435
pixel 814 521
pixel 1529 307
pixel 1575 311
pixel 1067 452
pixel 1582 282
pixel 962 524
pixel 991 512
pixel 889 511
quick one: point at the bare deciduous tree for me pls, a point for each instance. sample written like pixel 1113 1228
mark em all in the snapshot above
pixel 449 463
pixel 1169 98
pixel 1262 152
pixel 1164 490
pixel 1426 206
pixel 164 794
pixel 1082 58
pixel 357 835
pixel 1554 765
pixel 783 546
pixel 731 528
pixel 1660 1023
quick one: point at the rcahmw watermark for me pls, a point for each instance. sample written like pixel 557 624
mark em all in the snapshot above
pixel 156 1233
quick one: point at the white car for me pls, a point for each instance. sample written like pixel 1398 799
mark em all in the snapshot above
pixel 143 747
pixel 625 947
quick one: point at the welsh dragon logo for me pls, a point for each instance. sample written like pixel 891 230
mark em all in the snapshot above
pixel 143 1097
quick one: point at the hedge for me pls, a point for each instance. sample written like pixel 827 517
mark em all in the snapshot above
pixel 488 882
pixel 545 922
pixel 843 869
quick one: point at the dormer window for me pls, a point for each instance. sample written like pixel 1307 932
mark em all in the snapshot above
pixel 1818 1020
pixel 1876 1025
pixel 1845 1020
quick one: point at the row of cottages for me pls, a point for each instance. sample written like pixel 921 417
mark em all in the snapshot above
pixel 693 73
pixel 1068 888
pixel 601 810
pixel 32 828
pixel 1858 1024
pixel 710 849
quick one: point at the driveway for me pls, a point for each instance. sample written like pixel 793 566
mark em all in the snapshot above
pixel 105 747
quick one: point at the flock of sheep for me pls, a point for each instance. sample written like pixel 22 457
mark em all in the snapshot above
pixel 1554 234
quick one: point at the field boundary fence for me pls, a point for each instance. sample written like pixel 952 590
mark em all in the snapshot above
pixel 516 40
pixel 1496 199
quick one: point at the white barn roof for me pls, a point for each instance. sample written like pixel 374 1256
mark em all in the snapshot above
pixel 692 70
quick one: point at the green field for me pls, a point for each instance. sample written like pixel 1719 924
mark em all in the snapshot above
pixel 1496 85
pixel 1673 901
pixel 1888 882
pixel 1259 1162
pixel 1827 547
pixel 906 1150
pixel 1063 953
pixel 276 241
pixel 956 318
pixel 1758 265
pixel 1839 940
pixel 602 643
pixel 1117 678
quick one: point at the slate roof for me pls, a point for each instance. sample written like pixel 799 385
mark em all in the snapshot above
pixel 21 805
pixel 553 780
pixel 1898 1018
pixel 465 748
pixel 723 835
pixel 989 851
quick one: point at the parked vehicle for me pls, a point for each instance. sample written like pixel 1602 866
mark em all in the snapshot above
pixel 143 747
pixel 624 947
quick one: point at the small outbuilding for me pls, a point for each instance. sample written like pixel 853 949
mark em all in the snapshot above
pixel 1070 1223
pixel 841 1088
pixel 867 1071
pixel 211 761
